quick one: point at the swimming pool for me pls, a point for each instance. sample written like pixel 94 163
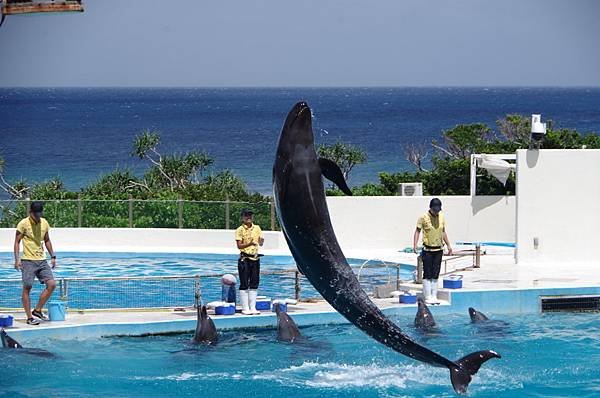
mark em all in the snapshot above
pixel 159 291
pixel 542 355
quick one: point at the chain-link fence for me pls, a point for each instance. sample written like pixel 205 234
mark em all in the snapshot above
pixel 134 213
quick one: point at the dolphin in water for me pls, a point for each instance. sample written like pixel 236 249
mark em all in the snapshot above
pixel 490 327
pixel 287 330
pixel 424 319
pixel 302 210
pixel 477 316
pixel 206 332
pixel 10 343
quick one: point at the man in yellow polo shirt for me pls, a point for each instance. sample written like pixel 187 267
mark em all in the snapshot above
pixel 248 238
pixel 433 225
pixel 33 231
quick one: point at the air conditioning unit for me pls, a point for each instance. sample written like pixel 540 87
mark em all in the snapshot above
pixel 410 189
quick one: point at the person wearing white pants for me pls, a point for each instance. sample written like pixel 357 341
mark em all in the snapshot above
pixel 433 225
pixel 248 238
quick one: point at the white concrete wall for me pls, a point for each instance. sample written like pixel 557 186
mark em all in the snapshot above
pixel 558 202
pixel 361 224
pixel 152 240
pixel 389 221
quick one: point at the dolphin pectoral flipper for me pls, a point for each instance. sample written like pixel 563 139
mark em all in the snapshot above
pixel 332 172
pixel 467 366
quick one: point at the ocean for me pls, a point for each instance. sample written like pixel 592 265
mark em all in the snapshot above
pixel 79 133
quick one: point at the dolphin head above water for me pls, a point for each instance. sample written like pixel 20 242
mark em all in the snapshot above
pixel 287 330
pixel 10 343
pixel 424 318
pixel 7 341
pixel 476 316
pixel 206 332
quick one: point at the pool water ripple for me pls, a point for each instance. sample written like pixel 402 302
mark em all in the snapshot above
pixel 335 361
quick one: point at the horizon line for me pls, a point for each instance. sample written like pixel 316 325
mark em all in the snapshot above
pixel 310 87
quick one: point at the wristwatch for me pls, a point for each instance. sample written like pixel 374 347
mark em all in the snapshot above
pixel 53 257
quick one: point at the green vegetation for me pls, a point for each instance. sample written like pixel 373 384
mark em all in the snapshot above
pixel 450 160
pixel 174 184
pixel 178 191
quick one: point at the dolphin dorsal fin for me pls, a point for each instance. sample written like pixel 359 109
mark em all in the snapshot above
pixel 332 172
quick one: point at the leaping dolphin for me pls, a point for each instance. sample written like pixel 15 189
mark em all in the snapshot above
pixel 302 210
pixel 287 330
pixel 9 342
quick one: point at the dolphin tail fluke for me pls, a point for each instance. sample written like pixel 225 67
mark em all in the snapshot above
pixel 467 367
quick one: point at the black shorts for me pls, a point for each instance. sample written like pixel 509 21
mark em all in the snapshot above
pixel 432 262
pixel 249 271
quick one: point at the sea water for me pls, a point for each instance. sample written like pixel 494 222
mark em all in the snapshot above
pixel 80 133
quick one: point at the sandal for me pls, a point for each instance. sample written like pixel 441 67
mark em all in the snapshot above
pixel 32 321
pixel 39 314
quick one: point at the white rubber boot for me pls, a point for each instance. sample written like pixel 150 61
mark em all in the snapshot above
pixel 252 295
pixel 426 290
pixel 434 290
pixel 245 302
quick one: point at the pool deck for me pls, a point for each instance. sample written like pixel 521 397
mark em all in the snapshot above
pixel 498 286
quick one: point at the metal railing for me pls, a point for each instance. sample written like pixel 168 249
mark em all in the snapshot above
pixel 135 213
pixel 454 263
pixel 146 292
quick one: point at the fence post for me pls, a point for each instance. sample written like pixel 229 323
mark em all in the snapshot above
pixel 79 211
pixel 27 205
pixel 65 289
pixel 227 211
pixel 197 292
pixel 297 286
pixel 477 255
pixel 130 202
pixel 272 204
pixel 397 276
pixel 180 212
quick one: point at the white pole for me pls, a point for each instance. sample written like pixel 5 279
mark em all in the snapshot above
pixel 474 174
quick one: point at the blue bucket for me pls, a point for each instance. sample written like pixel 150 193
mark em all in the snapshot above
pixel 57 310
pixel 453 282
pixel 263 304
pixel 225 310
pixel 408 298
pixel 6 321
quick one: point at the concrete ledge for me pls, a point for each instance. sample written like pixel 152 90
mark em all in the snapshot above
pixel 99 324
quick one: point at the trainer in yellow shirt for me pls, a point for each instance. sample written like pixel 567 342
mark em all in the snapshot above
pixel 248 238
pixel 433 225
pixel 33 231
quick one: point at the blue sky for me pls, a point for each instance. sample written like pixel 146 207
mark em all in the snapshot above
pixel 306 43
